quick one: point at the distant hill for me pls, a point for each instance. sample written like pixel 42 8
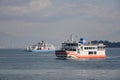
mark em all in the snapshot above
pixel 108 43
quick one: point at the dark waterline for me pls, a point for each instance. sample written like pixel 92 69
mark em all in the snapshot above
pixel 17 64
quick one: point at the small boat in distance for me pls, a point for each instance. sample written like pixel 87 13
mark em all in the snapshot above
pixel 71 49
pixel 41 47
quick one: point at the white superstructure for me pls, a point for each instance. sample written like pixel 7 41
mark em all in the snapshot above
pixel 41 47
pixel 81 49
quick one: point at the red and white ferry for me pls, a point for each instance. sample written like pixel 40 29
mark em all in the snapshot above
pixel 80 50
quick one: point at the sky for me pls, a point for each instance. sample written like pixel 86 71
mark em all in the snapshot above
pixel 26 22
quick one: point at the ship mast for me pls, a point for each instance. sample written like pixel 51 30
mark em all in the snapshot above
pixel 71 38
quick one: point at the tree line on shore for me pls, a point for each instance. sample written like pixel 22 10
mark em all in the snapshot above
pixel 108 44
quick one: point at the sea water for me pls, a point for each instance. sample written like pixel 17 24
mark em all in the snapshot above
pixel 17 64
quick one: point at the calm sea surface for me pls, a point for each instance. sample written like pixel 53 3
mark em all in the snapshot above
pixel 16 64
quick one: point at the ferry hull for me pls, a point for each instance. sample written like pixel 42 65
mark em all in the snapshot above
pixel 71 54
pixel 76 55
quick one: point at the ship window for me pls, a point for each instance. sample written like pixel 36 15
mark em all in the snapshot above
pixel 90 52
pixel 71 49
pixel 95 52
pixel 38 48
pixel 74 49
pixel 72 44
pixel 89 48
pixel 101 47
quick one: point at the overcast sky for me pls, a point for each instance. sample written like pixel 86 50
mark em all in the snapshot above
pixel 54 20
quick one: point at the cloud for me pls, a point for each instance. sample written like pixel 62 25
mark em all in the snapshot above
pixel 89 9
pixel 100 12
pixel 55 20
pixel 31 7
pixel 54 10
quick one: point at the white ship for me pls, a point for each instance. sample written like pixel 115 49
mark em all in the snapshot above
pixel 80 49
pixel 41 47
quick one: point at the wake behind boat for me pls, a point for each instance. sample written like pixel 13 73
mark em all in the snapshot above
pixel 41 47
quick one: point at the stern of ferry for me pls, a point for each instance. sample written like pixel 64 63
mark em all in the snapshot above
pixel 61 54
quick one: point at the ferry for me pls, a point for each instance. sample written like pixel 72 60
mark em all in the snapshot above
pixel 81 49
pixel 41 47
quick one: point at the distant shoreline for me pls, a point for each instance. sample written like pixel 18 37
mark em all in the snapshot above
pixel 108 43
